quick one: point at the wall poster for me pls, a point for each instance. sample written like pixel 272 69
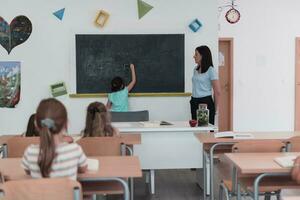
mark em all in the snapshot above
pixel 10 83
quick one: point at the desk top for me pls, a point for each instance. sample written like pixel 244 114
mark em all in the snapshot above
pixel 109 166
pixel 127 138
pixel 209 138
pixel 258 163
pixel 154 126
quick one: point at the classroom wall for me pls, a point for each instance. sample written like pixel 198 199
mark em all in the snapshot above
pixel 48 56
pixel 264 63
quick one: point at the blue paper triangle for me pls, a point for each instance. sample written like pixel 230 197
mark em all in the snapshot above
pixel 59 14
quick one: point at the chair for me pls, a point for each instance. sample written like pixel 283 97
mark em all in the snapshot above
pixel 102 146
pixel 15 147
pixel 37 189
pixel 293 144
pixel 227 186
pixel 132 116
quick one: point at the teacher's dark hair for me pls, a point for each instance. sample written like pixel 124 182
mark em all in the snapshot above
pixel 206 60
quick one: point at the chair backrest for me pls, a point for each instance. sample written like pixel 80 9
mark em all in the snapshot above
pixel 45 188
pixel 132 116
pixel 261 146
pixel 293 144
pixel 101 146
pixel 16 146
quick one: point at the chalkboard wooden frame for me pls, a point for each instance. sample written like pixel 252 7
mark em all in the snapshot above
pixel 159 61
pixel 160 94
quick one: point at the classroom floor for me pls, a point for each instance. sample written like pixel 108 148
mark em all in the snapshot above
pixel 170 185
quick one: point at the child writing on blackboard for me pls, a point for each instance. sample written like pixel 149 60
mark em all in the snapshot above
pixel 118 98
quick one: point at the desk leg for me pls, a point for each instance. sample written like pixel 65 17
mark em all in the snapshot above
pixel 120 180
pixel 206 174
pixel 211 162
pixel 76 193
pixel 152 181
pixel 204 155
pixel 258 179
pixel 131 189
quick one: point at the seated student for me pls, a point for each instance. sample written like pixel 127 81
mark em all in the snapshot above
pixel 118 99
pixel 53 157
pixel 32 131
pixel 97 121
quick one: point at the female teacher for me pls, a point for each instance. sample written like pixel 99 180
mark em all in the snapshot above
pixel 205 84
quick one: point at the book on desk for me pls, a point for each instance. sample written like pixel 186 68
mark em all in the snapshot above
pixel 230 134
pixel 285 161
pixel 155 123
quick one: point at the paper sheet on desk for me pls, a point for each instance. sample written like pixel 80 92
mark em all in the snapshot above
pixel 93 164
pixel 150 124
pixel 122 124
pixel 285 161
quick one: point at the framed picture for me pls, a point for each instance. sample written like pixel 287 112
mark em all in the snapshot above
pixel 101 18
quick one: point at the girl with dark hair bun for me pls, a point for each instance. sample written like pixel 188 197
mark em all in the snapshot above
pixel 205 83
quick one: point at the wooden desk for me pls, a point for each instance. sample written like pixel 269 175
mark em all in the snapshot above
pixel 223 145
pixel 127 138
pixel 177 126
pixel 111 168
pixel 5 138
pixel 258 164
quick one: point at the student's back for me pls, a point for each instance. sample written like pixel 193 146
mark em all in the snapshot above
pixel 53 157
pixel 65 164
pixel 118 98
pixel 97 123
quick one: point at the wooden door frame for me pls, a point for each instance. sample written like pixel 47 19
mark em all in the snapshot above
pixel 297 60
pixel 230 40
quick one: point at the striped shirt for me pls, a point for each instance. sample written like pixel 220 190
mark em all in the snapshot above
pixel 65 164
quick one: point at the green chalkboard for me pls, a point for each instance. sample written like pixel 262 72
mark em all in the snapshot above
pixel 158 60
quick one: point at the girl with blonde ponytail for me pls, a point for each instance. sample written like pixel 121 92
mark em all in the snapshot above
pixel 97 123
pixel 53 157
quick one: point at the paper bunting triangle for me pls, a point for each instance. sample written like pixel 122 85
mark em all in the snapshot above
pixel 59 14
pixel 143 8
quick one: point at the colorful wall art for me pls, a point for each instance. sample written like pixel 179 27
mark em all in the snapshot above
pixel 15 33
pixel 10 83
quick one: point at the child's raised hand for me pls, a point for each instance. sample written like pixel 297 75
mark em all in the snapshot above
pixel 132 66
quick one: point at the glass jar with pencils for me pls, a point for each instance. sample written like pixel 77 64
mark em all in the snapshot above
pixel 202 115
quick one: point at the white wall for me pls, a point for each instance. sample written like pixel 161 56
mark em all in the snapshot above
pixel 264 63
pixel 48 55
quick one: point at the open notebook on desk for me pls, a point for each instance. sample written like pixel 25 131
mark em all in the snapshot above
pixel 230 134
pixel 155 123
pixel 285 161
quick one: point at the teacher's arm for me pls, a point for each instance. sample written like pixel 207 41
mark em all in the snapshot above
pixel 217 92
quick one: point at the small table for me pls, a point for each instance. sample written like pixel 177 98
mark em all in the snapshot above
pixel 259 165
pixel 210 144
